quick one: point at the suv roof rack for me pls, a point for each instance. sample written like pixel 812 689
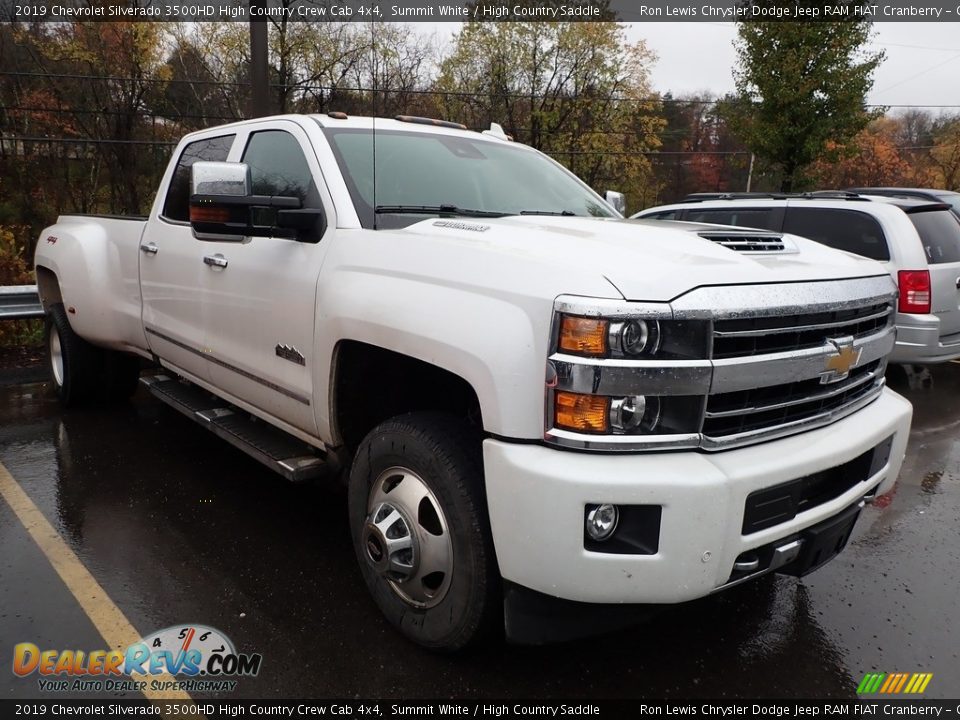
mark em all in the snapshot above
pixel 813 195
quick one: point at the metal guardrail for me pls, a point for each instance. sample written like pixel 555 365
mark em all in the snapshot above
pixel 20 302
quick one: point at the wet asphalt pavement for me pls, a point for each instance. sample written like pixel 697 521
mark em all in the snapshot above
pixel 178 527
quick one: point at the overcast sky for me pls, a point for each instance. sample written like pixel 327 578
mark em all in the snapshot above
pixel 922 65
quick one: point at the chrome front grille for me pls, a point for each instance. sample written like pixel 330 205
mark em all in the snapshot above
pixel 742 337
pixel 747 403
pixel 747 411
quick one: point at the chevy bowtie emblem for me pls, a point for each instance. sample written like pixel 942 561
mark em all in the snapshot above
pixel 838 366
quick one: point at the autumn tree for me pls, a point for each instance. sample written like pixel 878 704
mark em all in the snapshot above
pixel 945 154
pixel 871 158
pixel 577 91
pixel 802 86
pixel 98 77
pixel 698 151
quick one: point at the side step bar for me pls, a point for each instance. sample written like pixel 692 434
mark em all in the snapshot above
pixel 280 452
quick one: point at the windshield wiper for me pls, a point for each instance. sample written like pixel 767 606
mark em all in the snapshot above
pixel 436 210
pixel 563 213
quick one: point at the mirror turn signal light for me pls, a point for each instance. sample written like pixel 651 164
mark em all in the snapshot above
pixel 209 213
pixel 582 413
pixel 584 336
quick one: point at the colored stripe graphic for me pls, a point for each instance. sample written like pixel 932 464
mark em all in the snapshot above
pixel 901 683
pixel 894 683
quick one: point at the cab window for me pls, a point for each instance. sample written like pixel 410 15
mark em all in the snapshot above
pixel 279 167
pixel 176 206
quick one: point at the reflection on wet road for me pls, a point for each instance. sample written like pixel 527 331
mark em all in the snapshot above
pixel 178 527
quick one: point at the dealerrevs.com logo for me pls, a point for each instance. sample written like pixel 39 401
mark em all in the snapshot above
pixel 203 655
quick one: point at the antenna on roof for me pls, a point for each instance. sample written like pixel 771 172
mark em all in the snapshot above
pixel 496 130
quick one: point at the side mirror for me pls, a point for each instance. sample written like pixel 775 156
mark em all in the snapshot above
pixel 617 199
pixel 222 208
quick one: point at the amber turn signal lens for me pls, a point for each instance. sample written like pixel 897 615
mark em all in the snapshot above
pixel 583 413
pixel 201 213
pixel 584 336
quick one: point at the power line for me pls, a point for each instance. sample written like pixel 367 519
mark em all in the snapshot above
pixel 82 141
pixel 304 85
pixel 156 114
pixel 922 72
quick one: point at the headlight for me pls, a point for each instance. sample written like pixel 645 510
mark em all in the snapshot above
pixel 625 376
pixel 632 338
pixel 635 337
pixel 629 415
pixel 634 413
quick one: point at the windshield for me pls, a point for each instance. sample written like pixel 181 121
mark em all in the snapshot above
pixel 424 174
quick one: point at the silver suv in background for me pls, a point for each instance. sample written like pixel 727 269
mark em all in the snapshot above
pixel 918 241
pixel 949 197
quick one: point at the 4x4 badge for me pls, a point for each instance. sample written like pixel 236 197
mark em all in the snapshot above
pixel 838 366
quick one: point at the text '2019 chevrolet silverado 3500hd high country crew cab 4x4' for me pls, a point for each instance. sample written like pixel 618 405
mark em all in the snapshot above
pixel 533 399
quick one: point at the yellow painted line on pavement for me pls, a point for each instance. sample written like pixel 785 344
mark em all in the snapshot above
pixel 109 620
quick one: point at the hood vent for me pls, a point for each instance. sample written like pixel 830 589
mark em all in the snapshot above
pixel 749 242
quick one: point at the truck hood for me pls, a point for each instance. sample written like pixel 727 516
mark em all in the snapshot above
pixel 650 260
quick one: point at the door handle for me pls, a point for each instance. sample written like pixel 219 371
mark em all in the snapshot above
pixel 149 249
pixel 217 260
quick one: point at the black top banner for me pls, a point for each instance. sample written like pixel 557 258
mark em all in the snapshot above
pixel 478 10
pixel 528 709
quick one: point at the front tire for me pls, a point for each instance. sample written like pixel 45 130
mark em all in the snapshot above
pixel 420 531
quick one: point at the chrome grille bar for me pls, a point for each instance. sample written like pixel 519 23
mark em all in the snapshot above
pixel 816 397
pixel 886 312
pixel 725 442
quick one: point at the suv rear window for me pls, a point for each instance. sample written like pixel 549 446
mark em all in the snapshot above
pixel 759 218
pixel 848 230
pixel 940 233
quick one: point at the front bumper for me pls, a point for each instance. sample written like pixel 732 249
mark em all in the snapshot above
pixel 919 341
pixel 536 497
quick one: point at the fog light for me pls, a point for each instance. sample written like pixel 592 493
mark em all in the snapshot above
pixel 602 522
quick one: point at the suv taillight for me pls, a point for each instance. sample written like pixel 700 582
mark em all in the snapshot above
pixel 914 291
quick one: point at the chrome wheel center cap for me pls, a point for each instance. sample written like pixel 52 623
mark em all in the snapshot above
pixel 405 538
pixel 389 543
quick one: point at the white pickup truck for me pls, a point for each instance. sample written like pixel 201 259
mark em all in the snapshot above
pixel 535 403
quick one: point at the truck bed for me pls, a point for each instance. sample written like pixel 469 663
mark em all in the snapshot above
pixel 96 258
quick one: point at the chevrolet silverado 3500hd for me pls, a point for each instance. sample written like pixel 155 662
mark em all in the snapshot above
pixel 530 396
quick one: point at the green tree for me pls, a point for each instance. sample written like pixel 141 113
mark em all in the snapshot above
pixel 801 87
